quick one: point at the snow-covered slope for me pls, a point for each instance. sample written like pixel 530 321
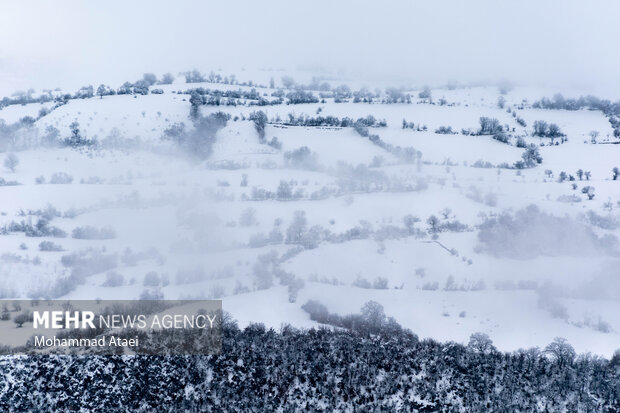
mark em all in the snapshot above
pixel 228 226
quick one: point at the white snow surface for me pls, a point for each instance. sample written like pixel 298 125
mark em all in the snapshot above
pixel 184 215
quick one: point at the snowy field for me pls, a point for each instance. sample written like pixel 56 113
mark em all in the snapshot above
pixel 451 241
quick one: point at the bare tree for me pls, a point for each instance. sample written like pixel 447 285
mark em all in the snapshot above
pixel 11 161
pixel 372 312
pixel 425 93
pixel 481 343
pixel 501 102
pixel 166 79
pixel 561 351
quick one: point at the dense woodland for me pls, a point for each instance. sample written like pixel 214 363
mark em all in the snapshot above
pixel 263 370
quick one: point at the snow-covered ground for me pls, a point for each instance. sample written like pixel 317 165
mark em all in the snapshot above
pixel 202 226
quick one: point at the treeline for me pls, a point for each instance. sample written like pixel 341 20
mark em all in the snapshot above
pixel 331 121
pixel 24 98
pixel 583 102
pixel 322 369
pixel 610 109
pixel 216 97
pixel 139 87
pixel 406 154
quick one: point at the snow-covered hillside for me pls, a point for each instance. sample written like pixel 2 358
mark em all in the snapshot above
pixel 453 233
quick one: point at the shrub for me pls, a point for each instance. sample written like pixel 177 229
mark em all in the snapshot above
pixel 554 131
pixel 605 222
pixel 318 312
pixel 361 129
pixel 489 126
pixel 49 246
pixel 361 282
pixel 380 283
pixel 248 218
pixel 531 157
pixel 275 143
pixel 90 261
pixel 151 279
pixel 482 164
pixel 263 270
pixel 294 286
pixel 297 228
pixel 88 232
pixel 490 199
pixel 284 191
pixel 445 130
pixel 301 96
pixel 60 178
pixel 152 294
pixel 6 315
pixel 21 319
pixel 425 93
pixel 194 76
pixel 394 95
pixel 199 141
pixel 501 137
pixel 113 279
pixel 301 158
pixel 547 130
pixel 568 198
pixel 167 79
pixel 588 191
pixel 40 229
pixel 258 240
pixel 540 128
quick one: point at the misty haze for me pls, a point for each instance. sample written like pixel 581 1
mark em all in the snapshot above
pixel 442 172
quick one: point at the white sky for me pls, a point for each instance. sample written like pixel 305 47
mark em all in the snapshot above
pixel 70 43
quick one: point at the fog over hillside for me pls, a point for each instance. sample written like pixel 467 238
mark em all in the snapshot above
pixel 552 43
pixel 414 203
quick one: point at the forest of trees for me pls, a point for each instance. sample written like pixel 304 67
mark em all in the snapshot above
pixel 264 370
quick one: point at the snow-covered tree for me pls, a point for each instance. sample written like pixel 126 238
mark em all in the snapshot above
pixel 561 352
pixel 481 343
pixel 166 79
pixel 11 161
